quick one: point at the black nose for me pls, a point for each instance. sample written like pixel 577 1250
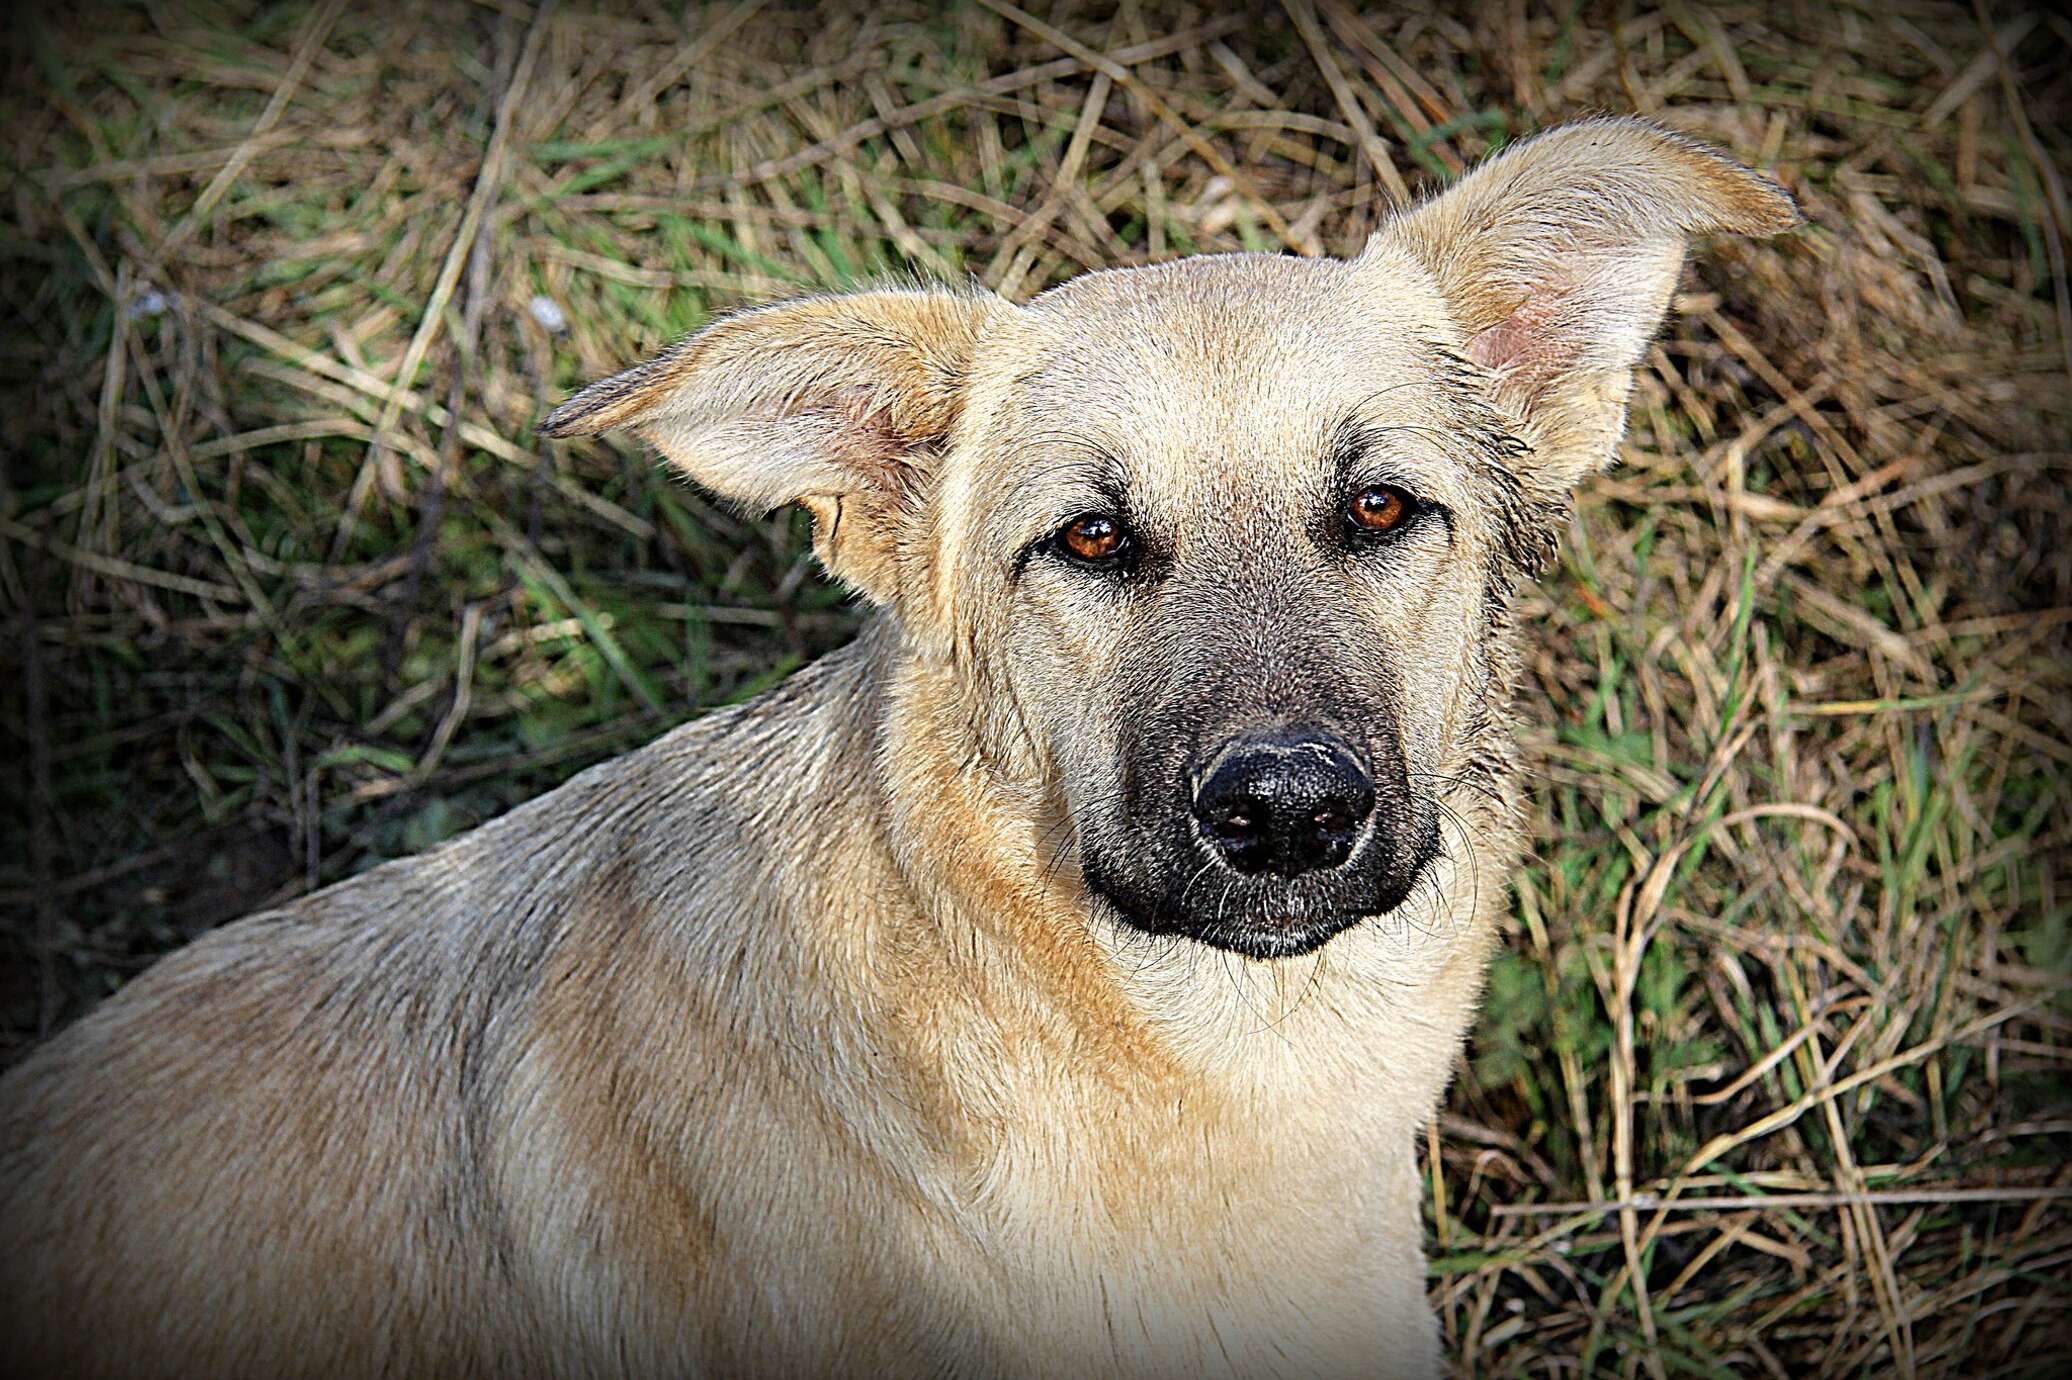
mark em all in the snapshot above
pixel 1284 805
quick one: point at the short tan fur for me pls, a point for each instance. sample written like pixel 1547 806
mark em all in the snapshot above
pixel 916 1017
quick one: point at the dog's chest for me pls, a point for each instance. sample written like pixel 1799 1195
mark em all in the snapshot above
pixel 1165 1250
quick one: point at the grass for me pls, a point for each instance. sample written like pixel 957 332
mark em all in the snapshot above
pixel 1772 1077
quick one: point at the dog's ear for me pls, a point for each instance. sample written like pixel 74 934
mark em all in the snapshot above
pixel 1557 259
pixel 840 404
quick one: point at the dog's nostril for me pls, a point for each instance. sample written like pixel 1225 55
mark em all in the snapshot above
pixel 1284 805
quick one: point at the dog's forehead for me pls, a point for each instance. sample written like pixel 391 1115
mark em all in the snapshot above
pixel 1265 355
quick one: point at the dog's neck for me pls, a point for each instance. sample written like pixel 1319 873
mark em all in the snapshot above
pixel 928 924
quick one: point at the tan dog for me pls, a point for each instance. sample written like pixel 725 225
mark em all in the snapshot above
pixel 1053 982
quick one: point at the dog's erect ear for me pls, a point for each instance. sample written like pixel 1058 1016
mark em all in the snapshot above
pixel 1557 259
pixel 837 403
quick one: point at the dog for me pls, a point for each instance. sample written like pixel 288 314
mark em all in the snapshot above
pixel 1054 981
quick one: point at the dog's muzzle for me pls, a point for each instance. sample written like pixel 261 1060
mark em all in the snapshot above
pixel 1267 844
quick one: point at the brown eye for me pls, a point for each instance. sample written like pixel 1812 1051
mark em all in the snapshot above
pixel 1379 509
pixel 1094 537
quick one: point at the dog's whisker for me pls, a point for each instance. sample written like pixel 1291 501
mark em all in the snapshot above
pixel 1462 782
pixel 1448 814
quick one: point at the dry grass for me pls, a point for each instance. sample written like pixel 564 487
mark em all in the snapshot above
pixel 1772 1076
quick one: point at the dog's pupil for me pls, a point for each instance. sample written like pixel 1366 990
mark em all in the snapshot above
pixel 1378 508
pixel 1093 537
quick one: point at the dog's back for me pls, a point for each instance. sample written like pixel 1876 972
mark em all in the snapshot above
pixel 284 1124
pixel 285 1149
pixel 146 1201
pixel 512 1107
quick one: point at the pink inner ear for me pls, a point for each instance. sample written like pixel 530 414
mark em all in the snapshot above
pixel 865 436
pixel 1530 347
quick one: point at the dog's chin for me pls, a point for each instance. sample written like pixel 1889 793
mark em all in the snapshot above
pixel 1249 935
pixel 1272 939
pixel 1261 925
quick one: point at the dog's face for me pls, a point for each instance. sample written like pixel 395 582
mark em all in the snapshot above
pixel 1233 526
pixel 1221 547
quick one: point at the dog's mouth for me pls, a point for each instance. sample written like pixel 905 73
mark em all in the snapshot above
pixel 1270 938
pixel 1265 919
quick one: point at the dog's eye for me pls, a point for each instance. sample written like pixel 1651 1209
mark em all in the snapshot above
pixel 1094 538
pixel 1379 508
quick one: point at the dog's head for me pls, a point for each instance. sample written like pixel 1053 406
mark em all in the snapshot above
pixel 1221 546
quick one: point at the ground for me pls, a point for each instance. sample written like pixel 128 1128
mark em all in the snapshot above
pixel 1772 1075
